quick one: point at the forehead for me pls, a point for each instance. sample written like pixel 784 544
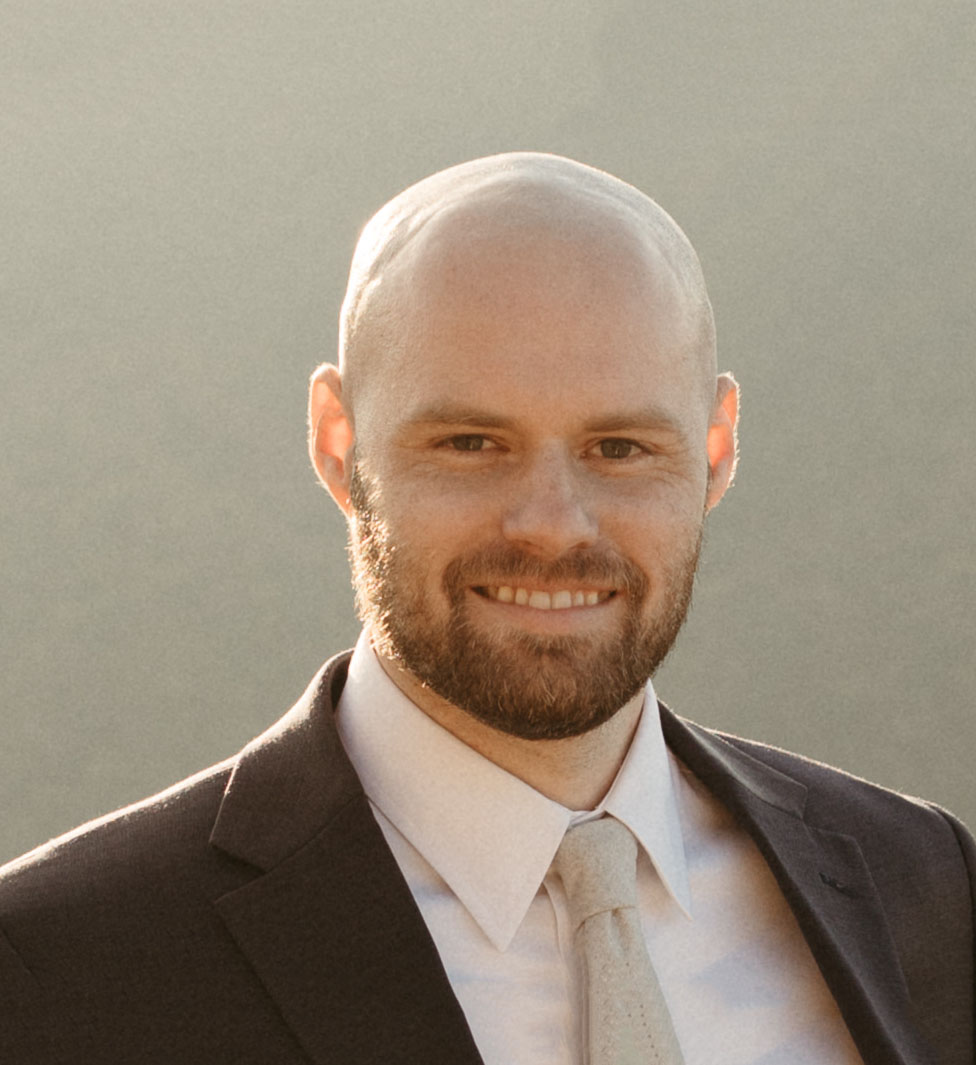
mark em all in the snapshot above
pixel 519 311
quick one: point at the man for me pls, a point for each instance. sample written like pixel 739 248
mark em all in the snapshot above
pixel 525 430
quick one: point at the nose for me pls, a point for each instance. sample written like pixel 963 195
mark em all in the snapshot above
pixel 548 513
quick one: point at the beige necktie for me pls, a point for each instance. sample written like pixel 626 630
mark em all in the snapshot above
pixel 628 1019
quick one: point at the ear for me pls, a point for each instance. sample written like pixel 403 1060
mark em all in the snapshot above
pixel 330 434
pixel 723 440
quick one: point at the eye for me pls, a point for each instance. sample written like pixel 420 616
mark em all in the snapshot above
pixel 616 448
pixel 467 442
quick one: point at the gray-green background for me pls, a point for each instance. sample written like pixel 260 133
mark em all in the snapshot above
pixel 181 185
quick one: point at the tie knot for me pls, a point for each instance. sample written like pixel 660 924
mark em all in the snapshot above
pixel 597 862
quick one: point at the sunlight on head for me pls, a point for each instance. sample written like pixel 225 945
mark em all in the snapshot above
pixel 527 197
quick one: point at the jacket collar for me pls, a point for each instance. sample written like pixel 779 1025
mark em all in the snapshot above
pixel 289 782
pixel 827 884
pixel 330 926
pixel 331 899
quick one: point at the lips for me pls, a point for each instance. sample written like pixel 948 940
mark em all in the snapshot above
pixel 562 599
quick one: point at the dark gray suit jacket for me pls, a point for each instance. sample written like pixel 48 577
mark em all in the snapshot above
pixel 254 914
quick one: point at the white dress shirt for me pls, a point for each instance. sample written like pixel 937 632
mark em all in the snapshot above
pixel 475 845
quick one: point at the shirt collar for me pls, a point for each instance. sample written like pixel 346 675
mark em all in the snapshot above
pixel 644 797
pixel 463 811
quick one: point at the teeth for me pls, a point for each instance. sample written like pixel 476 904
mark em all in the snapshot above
pixel 560 600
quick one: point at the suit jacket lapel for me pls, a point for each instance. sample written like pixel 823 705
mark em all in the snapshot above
pixel 331 928
pixel 827 884
pixel 333 933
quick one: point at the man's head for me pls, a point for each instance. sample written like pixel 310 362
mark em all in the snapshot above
pixel 525 431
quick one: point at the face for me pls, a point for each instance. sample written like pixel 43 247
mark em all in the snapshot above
pixel 534 677
pixel 531 480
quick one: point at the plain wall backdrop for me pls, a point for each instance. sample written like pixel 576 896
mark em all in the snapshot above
pixel 181 187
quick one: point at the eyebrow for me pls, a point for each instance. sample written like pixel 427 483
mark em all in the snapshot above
pixel 642 418
pixel 452 414
pixel 653 418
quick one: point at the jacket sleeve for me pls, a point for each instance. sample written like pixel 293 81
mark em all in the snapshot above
pixel 967 845
pixel 21 1025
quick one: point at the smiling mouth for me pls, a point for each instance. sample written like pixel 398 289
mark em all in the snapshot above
pixel 563 599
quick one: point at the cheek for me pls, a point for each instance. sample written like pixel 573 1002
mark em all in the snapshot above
pixel 660 538
pixel 446 519
pixel 426 540
pixel 661 511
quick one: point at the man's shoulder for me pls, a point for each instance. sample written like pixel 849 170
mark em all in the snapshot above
pixel 829 784
pixel 125 898
pixel 170 834
pixel 122 849
pixel 829 796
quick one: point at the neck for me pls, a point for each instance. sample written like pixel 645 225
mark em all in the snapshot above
pixel 575 772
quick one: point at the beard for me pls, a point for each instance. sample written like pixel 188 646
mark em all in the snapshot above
pixel 524 684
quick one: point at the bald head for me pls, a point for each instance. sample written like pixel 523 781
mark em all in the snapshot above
pixel 557 219
pixel 525 435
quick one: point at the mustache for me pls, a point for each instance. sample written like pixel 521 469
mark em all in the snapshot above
pixel 503 564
